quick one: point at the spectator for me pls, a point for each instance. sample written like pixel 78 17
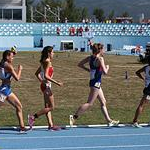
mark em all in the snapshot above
pixel 83 21
pixel 80 31
pixel 66 20
pixel 58 31
pixel 86 29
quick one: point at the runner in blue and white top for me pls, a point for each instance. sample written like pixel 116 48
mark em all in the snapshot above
pixel 7 72
pixel 146 92
pixel 96 68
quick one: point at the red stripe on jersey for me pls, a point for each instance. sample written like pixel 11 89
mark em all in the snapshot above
pixel 50 71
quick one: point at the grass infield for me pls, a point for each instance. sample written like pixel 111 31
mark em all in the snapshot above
pixel 122 95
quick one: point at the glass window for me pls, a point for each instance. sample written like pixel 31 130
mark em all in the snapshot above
pixel 0 13
pixel 17 14
pixel 7 14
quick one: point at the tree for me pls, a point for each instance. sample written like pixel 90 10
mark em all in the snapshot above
pixel 111 15
pixel 67 10
pixel 84 13
pixel 70 11
pixel 125 14
pixel 99 14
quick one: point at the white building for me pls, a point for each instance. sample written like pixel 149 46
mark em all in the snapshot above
pixel 13 11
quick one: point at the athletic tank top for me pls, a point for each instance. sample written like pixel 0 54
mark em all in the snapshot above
pixel 147 75
pixel 3 73
pixel 95 72
pixel 50 72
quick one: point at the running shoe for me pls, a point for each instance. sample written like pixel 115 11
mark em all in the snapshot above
pixel 71 120
pixel 22 130
pixel 113 123
pixel 54 128
pixel 136 125
pixel 31 121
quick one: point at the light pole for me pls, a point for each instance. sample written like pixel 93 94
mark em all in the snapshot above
pixel 56 14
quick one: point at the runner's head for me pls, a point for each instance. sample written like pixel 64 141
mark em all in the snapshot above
pixel 46 52
pixel 97 48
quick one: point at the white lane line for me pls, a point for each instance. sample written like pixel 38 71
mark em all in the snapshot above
pixel 88 147
pixel 74 136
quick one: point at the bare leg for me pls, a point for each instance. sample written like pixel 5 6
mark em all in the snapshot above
pixel 49 106
pixel 49 102
pixel 14 101
pixel 92 96
pixel 42 112
pixel 103 105
pixel 2 103
pixel 49 119
pixel 139 109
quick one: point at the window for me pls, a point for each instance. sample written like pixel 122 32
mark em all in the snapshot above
pixel 67 45
pixel 17 14
pixel 7 14
pixel 0 13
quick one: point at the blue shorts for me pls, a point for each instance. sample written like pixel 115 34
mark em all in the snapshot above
pixel 5 90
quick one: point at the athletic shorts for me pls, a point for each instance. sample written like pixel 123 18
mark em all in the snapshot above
pixel 45 86
pixel 5 90
pixel 146 90
pixel 95 84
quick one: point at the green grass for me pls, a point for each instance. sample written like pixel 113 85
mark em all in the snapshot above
pixel 122 96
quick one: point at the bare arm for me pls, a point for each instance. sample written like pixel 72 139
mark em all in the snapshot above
pixel 16 74
pixel 82 63
pixel 139 73
pixel 37 74
pixel 104 67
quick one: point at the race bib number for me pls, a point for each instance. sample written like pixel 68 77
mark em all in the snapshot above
pixel 2 97
pixel 97 85
pixel 148 97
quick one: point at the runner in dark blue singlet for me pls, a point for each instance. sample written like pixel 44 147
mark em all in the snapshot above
pixel 95 73
pixel 96 69
pixel 144 74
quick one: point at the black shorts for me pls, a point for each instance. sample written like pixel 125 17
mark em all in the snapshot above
pixel 146 90
pixel 95 84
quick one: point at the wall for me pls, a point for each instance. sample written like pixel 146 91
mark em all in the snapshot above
pixel 117 42
pixel 20 41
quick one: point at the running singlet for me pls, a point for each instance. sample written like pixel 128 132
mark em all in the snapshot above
pixel 95 73
pixel 147 76
pixel 5 90
pixel 3 74
pixel 48 84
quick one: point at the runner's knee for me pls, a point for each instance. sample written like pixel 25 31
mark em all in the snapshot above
pixel 90 104
pixel 49 109
pixel 103 103
pixel 19 107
